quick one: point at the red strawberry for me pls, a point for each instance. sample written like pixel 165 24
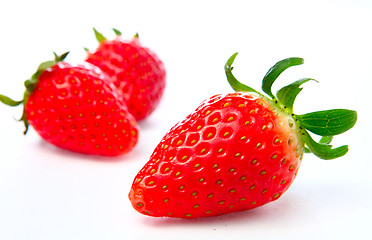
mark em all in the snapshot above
pixel 136 71
pixel 235 152
pixel 77 108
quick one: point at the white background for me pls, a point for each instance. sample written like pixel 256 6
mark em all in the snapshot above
pixel 48 193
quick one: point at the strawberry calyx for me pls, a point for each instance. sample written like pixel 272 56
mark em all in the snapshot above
pixel 326 124
pixel 30 86
pixel 101 38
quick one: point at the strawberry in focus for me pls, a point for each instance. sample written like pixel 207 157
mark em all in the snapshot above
pixel 76 107
pixel 136 71
pixel 236 151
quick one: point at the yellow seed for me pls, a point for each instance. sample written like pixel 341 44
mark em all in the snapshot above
pixel 203 150
pixel 220 150
pixel 242 199
pixel 276 195
pixel 258 145
pixel 209 211
pixel 231 169
pixel 232 190
pixel 230 119
pixel 181 187
pixel 152 171
pixel 188 215
pixel 264 127
pixel 274 156
pixel 166 169
pixel 165 186
pixel 219 182
pixel 215 166
pixel 194 193
pixel 237 155
pixel 196 206
pixel 210 135
pixel 199 127
pixel 221 202
pixel 263 172
pixel 178 173
pixel 139 204
pixel 265 190
pixel 210 195
pixel 166 200
pixel 243 177
pixel 151 183
pixel 215 120
pixel 193 141
pixel 243 138
pixel 179 142
pixel 252 187
pixel 226 104
pixel 184 157
pixel 254 161
pixel 246 123
pixel 208 112
pixel 283 182
pixel 225 134
pixel 201 179
pixel 253 202
pixel 197 165
pixel 241 105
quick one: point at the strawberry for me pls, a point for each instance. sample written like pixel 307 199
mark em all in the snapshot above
pixel 76 107
pixel 136 71
pixel 236 151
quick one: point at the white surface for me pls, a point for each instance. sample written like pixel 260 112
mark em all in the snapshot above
pixel 47 193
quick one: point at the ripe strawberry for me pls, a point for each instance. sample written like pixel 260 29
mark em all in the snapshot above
pixel 136 71
pixel 235 152
pixel 77 108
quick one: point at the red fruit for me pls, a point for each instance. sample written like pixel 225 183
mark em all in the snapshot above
pixel 234 152
pixel 77 108
pixel 136 71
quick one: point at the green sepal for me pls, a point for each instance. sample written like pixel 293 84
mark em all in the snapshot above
pixel 30 85
pixel 136 36
pixel 234 83
pixel 288 94
pixel 10 102
pixel 323 151
pixel 275 71
pixel 323 140
pixel 329 122
pixel 326 139
pixel 117 32
pixel 100 38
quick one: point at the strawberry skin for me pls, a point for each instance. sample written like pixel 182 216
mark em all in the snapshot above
pixel 236 151
pixel 136 71
pixel 213 162
pixel 76 107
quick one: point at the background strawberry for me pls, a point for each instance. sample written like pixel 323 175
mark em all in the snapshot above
pixel 136 71
pixel 236 151
pixel 77 108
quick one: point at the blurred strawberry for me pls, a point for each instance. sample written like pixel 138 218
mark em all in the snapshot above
pixel 136 71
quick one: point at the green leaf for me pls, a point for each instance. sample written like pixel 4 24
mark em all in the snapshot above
pixel 276 70
pixel 117 32
pixel 326 139
pixel 8 101
pixel 288 94
pixel 324 151
pixel 100 38
pixel 329 122
pixel 234 83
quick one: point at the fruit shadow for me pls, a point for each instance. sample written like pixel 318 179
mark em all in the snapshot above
pixel 50 149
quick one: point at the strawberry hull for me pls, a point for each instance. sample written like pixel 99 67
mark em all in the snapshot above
pixel 234 152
